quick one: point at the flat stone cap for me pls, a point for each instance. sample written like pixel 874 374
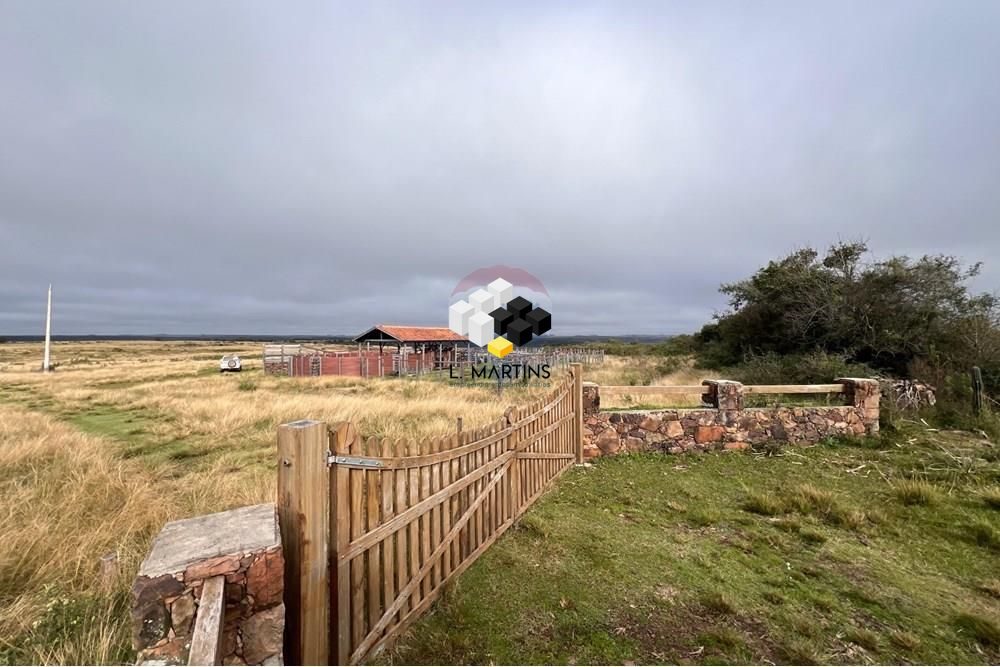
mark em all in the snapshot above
pixel 181 543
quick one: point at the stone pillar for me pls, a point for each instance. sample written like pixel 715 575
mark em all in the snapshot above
pixel 863 394
pixel 244 545
pixel 724 394
pixel 591 398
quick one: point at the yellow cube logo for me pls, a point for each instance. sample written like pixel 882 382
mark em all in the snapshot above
pixel 500 347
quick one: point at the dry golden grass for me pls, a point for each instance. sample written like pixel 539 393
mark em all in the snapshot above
pixel 66 502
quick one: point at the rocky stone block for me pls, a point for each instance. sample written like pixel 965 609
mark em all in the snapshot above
pixel 263 635
pixel 705 434
pixel 649 423
pixel 182 611
pixel 609 442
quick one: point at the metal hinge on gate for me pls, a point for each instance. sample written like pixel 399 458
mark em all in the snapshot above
pixel 357 461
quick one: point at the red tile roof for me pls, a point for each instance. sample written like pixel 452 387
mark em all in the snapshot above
pixel 407 334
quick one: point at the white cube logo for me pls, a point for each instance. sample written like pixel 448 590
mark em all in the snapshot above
pixel 480 329
pixel 458 317
pixel 483 301
pixel 502 290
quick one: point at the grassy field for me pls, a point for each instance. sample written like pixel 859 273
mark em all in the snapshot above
pixel 826 553
pixel 96 456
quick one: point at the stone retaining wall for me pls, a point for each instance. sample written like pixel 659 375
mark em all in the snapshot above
pixel 727 424
pixel 244 545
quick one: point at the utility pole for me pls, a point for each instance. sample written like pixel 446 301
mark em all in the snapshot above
pixel 46 367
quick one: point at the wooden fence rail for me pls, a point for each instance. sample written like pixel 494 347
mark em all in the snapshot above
pixel 666 390
pixel 793 389
pixel 652 390
pixel 206 640
pixel 374 528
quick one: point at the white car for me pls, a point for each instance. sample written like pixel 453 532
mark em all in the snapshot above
pixel 230 364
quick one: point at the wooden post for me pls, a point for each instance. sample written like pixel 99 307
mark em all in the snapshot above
pixel 459 424
pixel 109 570
pixel 577 370
pixel 46 366
pixel 977 391
pixel 303 513
pixel 342 438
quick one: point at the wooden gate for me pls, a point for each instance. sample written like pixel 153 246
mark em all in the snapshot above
pixel 374 529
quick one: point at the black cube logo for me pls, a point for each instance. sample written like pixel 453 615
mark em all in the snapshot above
pixel 494 317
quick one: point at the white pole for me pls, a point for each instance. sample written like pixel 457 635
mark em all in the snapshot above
pixel 48 332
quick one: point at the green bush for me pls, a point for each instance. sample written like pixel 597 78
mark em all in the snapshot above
pixel 679 345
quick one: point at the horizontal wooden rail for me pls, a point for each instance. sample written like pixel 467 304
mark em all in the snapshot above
pixel 654 390
pixel 207 637
pixel 689 389
pixel 793 388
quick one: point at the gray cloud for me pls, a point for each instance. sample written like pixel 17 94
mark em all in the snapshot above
pixel 314 168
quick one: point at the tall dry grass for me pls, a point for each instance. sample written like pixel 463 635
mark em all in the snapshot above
pixel 65 502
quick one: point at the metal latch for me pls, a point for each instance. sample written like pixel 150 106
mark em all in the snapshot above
pixel 357 461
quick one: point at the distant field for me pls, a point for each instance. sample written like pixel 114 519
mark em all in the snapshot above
pixel 727 555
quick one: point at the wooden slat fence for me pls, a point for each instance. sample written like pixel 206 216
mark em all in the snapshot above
pixel 403 517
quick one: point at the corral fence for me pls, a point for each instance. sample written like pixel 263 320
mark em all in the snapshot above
pixel 306 361
pixel 298 360
pixel 374 529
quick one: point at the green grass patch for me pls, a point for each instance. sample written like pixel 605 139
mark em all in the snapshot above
pixel 985 534
pixel 991 497
pixel 804 557
pixel 981 629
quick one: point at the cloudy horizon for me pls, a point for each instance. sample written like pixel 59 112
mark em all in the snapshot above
pixel 315 168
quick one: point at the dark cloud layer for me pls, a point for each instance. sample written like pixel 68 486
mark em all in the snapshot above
pixel 312 168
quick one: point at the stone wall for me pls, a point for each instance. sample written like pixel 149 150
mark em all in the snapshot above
pixel 727 424
pixel 244 545
pixel 276 367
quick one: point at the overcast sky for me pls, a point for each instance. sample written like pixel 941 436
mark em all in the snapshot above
pixel 237 167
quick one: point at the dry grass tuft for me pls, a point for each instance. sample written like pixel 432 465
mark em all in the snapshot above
pixel 916 492
pixel 991 496
pixel 764 504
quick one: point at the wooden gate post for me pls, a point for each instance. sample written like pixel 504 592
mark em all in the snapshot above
pixel 577 369
pixel 342 439
pixel 303 513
